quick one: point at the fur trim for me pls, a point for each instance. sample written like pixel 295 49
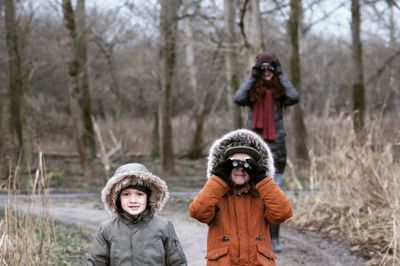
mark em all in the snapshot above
pixel 240 137
pixel 122 179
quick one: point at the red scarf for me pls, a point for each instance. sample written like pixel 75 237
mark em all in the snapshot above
pixel 263 116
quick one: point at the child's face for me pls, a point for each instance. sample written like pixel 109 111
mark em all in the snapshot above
pixel 238 175
pixel 133 201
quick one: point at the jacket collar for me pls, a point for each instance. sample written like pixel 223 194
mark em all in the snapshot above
pixel 144 216
pixel 246 189
pixel 243 189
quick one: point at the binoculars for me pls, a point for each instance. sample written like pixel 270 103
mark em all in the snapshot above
pixel 239 163
pixel 267 66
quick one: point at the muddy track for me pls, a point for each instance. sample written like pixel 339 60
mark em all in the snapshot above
pixel 299 248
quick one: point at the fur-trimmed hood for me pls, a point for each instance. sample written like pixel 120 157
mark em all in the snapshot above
pixel 130 174
pixel 240 137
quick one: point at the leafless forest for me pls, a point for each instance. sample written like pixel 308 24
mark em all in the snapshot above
pixel 104 80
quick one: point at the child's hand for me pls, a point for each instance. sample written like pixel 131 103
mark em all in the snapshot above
pixel 255 171
pixel 223 170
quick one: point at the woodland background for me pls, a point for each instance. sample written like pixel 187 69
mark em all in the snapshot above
pixel 107 82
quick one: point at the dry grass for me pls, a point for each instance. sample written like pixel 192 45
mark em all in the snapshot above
pixel 26 240
pixel 358 186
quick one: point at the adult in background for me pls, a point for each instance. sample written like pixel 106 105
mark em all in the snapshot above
pixel 267 93
pixel 239 200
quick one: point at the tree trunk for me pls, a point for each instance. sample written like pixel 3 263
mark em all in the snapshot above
pixel 301 152
pixel 200 113
pixel 253 31
pixel 108 49
pixel 230 62
pixel 358 85
pixel 393 77
pixel 168 32
pixel 196 148
pixel 190 60
pixel 84 99
pixel 155 143
pixel 115 86
pixel 3 135
pixel 17 116
pixel 80 103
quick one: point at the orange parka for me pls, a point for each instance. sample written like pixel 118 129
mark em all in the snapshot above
pixel 238 220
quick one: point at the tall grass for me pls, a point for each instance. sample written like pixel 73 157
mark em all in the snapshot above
pixel 356 189
pixel 26 239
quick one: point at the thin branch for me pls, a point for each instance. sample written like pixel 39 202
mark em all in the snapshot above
pixel 389 2
pixel 382 68
pixel 241 23
pixel 279 7
pixel 211 23
pixel 327 15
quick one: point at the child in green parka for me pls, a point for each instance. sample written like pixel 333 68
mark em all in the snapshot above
pixel 135 235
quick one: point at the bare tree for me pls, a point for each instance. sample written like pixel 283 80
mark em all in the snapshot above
pixel 155 140
pixel 231 63
pixel 168 32
pixel 358 78
pixel 394 88
pixel 108 51
pixel 18 123
pixel 15 70
pixel 2 139
pixel 388 65
pixel 108 35
pixel 301 151
pixel 80 100
pixel 252 30
pixel 200 112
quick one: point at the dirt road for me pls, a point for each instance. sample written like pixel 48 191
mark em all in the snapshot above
pixel 299 248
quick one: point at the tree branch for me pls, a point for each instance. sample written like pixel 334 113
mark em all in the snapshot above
pixel 382 68
pixel 327 15
pixel 241 23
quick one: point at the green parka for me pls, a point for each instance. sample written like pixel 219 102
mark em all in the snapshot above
pixel 147 239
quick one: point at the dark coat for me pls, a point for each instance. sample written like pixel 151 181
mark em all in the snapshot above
pixel 290 96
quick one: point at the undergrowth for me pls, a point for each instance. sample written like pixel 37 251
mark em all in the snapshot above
pixel 357 192
pixel 29 236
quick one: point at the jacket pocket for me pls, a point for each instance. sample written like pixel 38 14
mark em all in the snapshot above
pixel 114 252
pixel 217 253
pixel 265 253
pixel 176 255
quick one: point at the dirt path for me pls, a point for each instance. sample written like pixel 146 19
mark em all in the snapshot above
pixel 298 248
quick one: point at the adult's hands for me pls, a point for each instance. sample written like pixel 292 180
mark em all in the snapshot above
pixel 276 67
pixel 257 71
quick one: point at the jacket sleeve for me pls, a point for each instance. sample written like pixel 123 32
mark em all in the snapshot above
pixel 291 96
pixel 202 208
pixel 242 95
pixel 99 254
pixel 277 205
pixel 173 250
